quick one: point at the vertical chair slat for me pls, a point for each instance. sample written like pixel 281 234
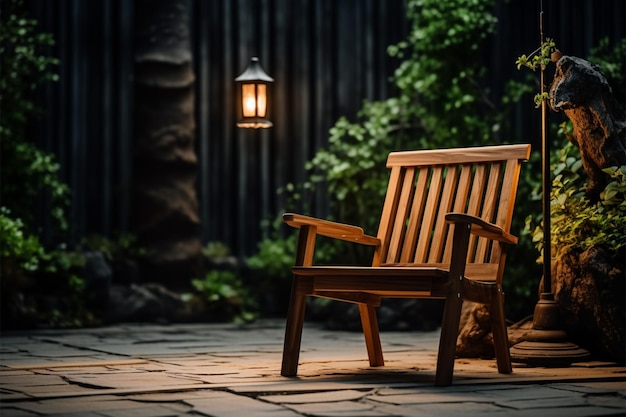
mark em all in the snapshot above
pixel 445 206
pixel 477 192
pixel 415 217
pixel 508 193
pixel 489 209
pixel 430 211
pixel 401 215
pixel 389 207
pixel 460 204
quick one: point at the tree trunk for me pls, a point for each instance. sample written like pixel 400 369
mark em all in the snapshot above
pixel 165 208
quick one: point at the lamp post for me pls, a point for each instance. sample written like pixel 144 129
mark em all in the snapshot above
pixel 253 83
pixel 546 344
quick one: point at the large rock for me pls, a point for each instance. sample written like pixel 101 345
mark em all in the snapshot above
pixel 580 90
pixel 148 302
pixel 590 289
pixel 475 339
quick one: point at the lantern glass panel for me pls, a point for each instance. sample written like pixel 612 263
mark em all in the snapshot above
pixel 261 100
pixel 248 100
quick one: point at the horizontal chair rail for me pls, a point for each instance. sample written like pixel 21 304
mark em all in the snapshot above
pixel 456 156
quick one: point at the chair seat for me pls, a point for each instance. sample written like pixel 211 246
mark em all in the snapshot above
pixel 383 281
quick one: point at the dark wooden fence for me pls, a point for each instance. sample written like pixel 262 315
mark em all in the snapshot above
pixel 326 56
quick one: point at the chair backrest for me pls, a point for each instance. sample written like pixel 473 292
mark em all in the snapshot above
pixel 425 185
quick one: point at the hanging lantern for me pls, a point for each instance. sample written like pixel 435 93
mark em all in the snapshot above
pixel 254 102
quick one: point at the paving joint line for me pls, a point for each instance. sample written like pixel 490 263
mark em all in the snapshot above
pixel 227 387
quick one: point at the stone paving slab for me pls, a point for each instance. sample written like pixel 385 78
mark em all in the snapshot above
pixel 223 370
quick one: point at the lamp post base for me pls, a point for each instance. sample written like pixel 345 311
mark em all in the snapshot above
pixel 546 344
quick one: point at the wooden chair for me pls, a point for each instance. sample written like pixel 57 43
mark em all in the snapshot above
pixel 443 234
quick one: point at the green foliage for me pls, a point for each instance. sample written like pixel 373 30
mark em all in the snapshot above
pixel 40 286
pixel 353 165
pixel 440 76
pixel 26 170
pixel 539 58
pixel 23 254
pixel 274 258
pixel 32 276
pixel 120 248
pixel 577 223
pixel 225 296
pixel 216 250
pixel 25 66
pixel 19 251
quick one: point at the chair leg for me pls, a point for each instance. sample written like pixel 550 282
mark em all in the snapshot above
pixel 500 336
pixel 369 321
pixel 447 342
pixel 293 330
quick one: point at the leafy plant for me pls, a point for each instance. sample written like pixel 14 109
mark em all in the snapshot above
pixel 33 279
pixel 576 223
pixel 40 285
pixel 216 250
pixel 539 58
pixel 120 247
pixel 274 259
pixel 27 171
pixel 20 252
pixel 225 296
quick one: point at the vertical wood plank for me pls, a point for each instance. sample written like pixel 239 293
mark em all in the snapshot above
pixel 430 211
pixel 415 217
pixel 441 227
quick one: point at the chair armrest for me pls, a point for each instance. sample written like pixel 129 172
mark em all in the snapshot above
pixel 482 228
pixel 331 229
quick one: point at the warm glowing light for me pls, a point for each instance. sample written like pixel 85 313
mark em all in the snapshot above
pixel 249 100
pixel 261 100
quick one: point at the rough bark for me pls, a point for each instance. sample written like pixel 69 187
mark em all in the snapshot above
pixel 165 207
pixel 590 289
pixel 580 89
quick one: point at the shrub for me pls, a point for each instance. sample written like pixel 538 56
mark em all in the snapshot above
pixel 224 297
pixel 26 170
pixel 576 223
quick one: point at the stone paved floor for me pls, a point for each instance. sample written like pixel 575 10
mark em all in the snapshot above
pixel 224 370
